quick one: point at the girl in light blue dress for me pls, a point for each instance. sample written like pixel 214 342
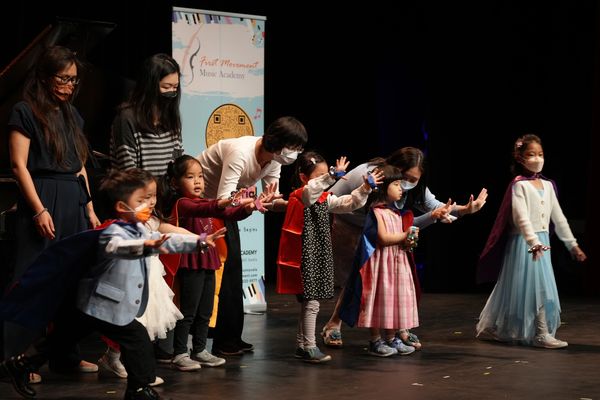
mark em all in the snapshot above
pixel 524 306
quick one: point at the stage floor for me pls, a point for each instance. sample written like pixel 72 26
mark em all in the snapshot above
pixel 452 365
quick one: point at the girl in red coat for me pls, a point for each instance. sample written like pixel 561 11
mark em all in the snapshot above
pixel 305 261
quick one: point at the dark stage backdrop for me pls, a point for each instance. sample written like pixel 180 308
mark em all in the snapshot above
pixel 460 81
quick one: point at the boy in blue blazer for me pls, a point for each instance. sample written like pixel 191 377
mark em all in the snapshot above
pixel 111 292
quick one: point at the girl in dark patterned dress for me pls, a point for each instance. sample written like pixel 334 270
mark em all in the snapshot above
pixel 305 261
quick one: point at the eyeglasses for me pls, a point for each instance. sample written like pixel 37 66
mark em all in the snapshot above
pixel 63 80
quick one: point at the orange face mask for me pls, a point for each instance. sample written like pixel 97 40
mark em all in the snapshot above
pixel 142 213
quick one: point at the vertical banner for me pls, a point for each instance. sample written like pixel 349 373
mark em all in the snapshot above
pixel 221 56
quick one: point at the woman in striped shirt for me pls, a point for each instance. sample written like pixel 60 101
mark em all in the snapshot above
pixel 146 133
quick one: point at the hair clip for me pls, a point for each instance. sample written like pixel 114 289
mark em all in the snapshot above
pixel 312 160
pixel 519 143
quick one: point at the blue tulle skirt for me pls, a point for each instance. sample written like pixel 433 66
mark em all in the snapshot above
pixel 523 288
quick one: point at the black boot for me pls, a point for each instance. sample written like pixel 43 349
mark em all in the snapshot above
pixel 18 369
pixel 145 393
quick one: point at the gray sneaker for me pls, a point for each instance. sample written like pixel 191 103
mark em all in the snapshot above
pixel 400 347
pixel 314 356
pixel 380 349
pixel 183 362
pixel 207 359
pixel 299 353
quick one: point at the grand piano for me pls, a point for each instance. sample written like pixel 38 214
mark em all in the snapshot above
pixel 99 94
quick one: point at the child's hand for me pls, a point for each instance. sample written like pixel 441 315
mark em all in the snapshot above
pixel 245 201
pixel 341 164
pixel 412 238
pixel 403 240
pixel 537 251
pixel 156 243
pixel 249 206
pixel 224 203
pixel 376 179
pixel 210 239
pixel 578 254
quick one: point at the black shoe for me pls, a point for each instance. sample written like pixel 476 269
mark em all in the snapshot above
pixel 246 347
pixel 18 369
pixel 227 350
pixel 145 393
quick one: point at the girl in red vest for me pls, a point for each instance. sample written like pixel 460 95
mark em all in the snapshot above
pixel 305 260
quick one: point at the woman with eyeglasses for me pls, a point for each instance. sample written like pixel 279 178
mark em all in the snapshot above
pixel 48 151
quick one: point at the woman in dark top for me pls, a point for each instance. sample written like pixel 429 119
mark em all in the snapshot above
pixel 48 151
pixel 146 132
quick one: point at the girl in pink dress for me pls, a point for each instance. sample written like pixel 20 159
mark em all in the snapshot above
pixel 381 293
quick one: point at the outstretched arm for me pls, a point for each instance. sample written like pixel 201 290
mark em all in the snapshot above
pixel 473 205
pixel 358 198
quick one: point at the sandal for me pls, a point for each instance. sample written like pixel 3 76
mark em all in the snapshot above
pixel 409 339
pixel 332 337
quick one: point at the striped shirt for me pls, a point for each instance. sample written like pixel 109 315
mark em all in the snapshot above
pixel 150 151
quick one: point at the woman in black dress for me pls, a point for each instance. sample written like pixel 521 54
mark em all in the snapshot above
pixel 48 151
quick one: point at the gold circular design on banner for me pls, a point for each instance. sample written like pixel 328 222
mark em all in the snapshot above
pixel 227 121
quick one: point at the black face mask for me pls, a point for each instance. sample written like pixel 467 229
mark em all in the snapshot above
pixel 169 95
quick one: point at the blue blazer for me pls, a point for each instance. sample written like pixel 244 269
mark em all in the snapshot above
pixel 105 267
pixel 115 289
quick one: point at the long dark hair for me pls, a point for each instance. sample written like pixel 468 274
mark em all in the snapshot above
pixel 519 148
pixel 56 117
pixel 146 102
pixel 406 158
pixel 168 194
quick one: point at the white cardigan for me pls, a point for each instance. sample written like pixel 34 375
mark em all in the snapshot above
pixel 532 213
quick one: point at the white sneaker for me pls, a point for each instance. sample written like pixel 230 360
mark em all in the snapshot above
pixel 157 381
pixel 547 341
pixel 112 363
pixel 205 358
pixel 183 362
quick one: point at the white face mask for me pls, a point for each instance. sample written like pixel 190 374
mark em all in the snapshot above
pixel 534 164
pixel 406 185
pixel 286 156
